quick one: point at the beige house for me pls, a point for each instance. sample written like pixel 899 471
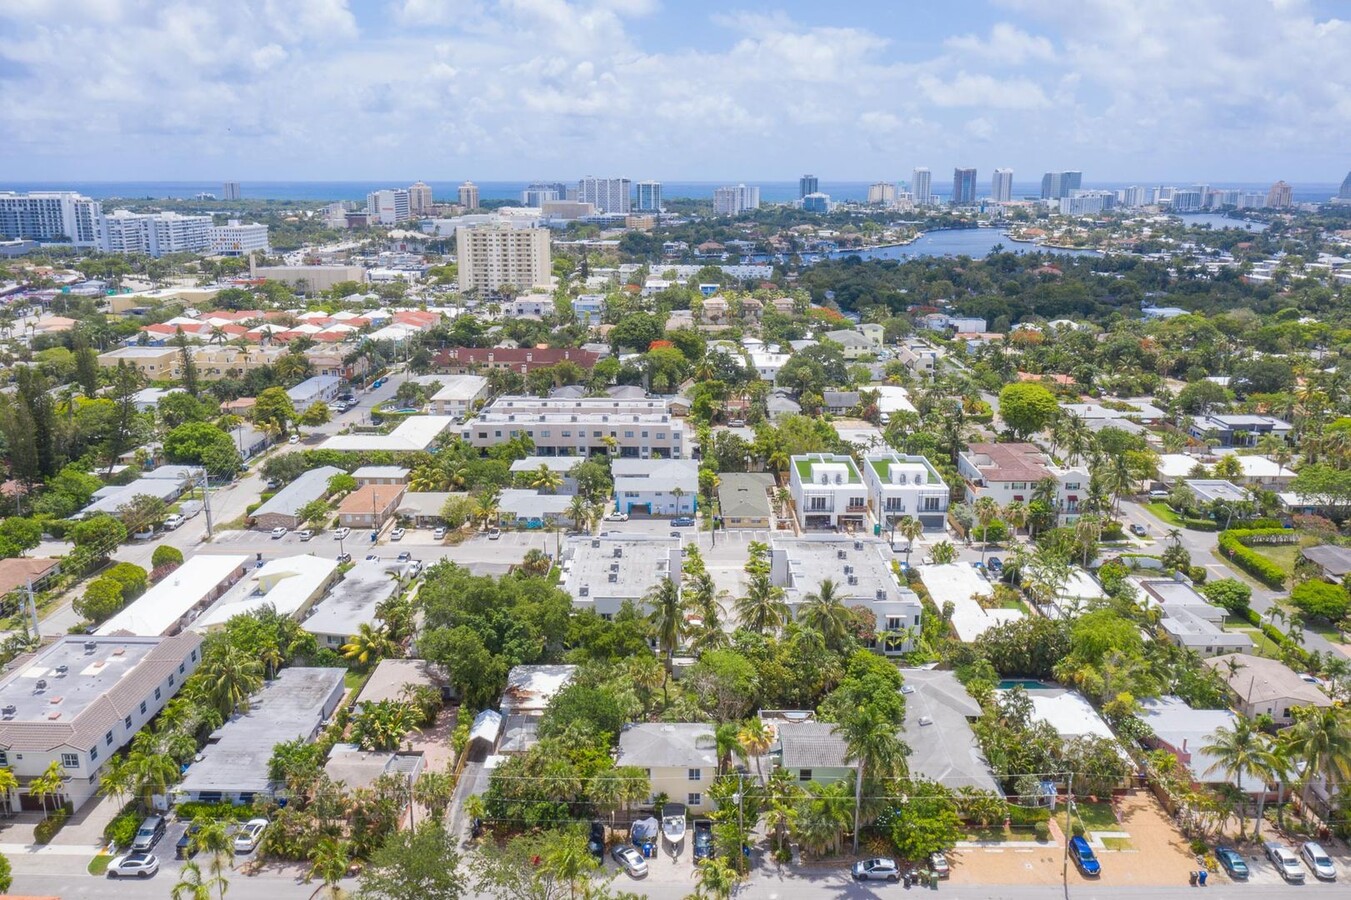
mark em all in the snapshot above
pixel 681 760
pixel 221 361
pixel 1264 686
pixel 370 506
pixel 155 363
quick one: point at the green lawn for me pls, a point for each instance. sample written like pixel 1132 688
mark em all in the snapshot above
pixel 353 680
pixel 1262 645
pixel 1283 555
pixel 988 834
pixel 1164 513
pixel 1094 816
pixel 1117 844
pixel 98 866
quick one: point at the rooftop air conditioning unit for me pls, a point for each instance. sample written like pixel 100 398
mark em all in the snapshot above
pixel 841 554
pixel 614 567
pixel 62 670
pixel 10 711
pixel 858 545
pixel 584 591
pixel 91 646
pixel 853 579
pixel 614 578
pixel 595 544
pixel 619 552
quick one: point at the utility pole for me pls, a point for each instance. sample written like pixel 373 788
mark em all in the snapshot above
pixel 33 608
pixel 1069 805
pixel 206 501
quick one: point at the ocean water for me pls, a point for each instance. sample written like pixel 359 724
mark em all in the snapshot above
pixel 770 191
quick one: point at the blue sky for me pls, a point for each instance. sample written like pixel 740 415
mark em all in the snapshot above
pixel 1126 90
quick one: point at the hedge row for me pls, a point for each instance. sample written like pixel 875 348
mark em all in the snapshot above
pixel 1233 544
pixel 1198 524
pixel 1281 639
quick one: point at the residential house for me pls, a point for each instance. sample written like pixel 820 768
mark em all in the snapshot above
pixel 234 765
pixel 1333 561
pixel 469 360
pixel 656 487
pixel 370 505
pixel 808 750
pixel 315 389
pixel 527 695
pixel 1185 733
pixel 282 508
pixel 365 475
pixel 681 760
pixel 1189 621
pixel 459 395
pixel 155 363
pixel 1238 430
pixel 901 485
pixel 743 500
pixel 937 728
pixel 525 469
pixel 1008 472
pixel 169 605
pixel 852 344
pixel 839 403
pixel 918 357
pixel 352 601
pixel 961 585
pixel 78 701
pixel 288 584
pixel 828 491
pixel 1262 686
pixel 532 509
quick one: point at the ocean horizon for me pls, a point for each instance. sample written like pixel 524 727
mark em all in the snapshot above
pixel 770 191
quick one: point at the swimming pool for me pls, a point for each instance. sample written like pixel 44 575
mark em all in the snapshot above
pixel 1027 684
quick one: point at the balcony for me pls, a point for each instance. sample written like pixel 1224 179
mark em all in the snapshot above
pixel 856 508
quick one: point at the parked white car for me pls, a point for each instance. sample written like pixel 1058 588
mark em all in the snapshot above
pixel 438 534
pixel 305 534
pixel 1318 860
pixel 249 834
pixel 617 517
pixel 174 521
pixel 341 534
pixel 134 865
pixel 1285 861
pixel 278 532
pixel 397 534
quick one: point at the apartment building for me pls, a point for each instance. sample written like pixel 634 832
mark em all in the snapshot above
pixel 458 394
pixel 494 255
pixel 239 238
pixel 643 428
pixel 78 701
pixel 901 485
pixel 1008 472
pixel 57 216
pixel 155 363
pixel 389 207
pixel 603 573
pixel 828 491
pixel 470 360
pixel 608 195
pixel 156 234
pixel 681 760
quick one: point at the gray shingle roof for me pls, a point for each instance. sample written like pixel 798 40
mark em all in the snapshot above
pixel 806 745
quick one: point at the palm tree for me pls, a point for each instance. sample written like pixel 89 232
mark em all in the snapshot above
pixel 1321 739
pixel 872 745
pixel 1238 751
pixel 756 737
pixel 369 645
pixel 678 493
pixel 579 511
pixel 824 611
pixel 545 479
pixel 667 616
pixel 213 837
pixel 191 884
pixel 231 675
pixel 717 879
pixel 486 507
pixel 987 510
pixel 763 607
pixel 569 860
pixel 49 784
pixel 826 811
pixel 782 795
pixel 944 553
pixel 1015 513
pixel 910 529
pixel 117 779
pixel 329 861
pixel 153 773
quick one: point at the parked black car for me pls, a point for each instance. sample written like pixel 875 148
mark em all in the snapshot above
pixel 596 842
pixel 703 839
pixel 186 848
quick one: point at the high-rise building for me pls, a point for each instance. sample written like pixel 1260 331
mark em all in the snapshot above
pixel 1084 203
pixel 1055 185
pixel 63 216
pixel 156 234
pixel 491 256
pixel 882 192
pixel 1001 186
pixel 1132 196
pixel 808 184
pixel 817 203
pixel 923 186
pixel 230 191
pixel 732 201
pixel 469 195
pixel 649 196
pixel 539 193
pixel 1186 201
pixel 1280 196
pixel 239 239
pixel 608 195
pixel 963 186
pixel 388 207
pixel 420 199
pixel 1345 192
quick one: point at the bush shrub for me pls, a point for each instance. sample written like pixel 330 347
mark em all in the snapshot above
pixel 1197 574
pixel 48 827
pixel 133 578
pixel 121 831
pixel 1043 831
pixel 1077 829
pixel 193 810
pixel 1023 816
pixel 101 599
pixel 1234 548
pixel 164 555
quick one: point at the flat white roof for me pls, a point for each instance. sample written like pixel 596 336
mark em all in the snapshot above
pixel 164 604
pixel 415 433
pixel 1068 713
pixel 460 387
pixel 286 584
pixel 958 582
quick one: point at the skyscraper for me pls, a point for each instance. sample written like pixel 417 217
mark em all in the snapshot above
pixel 469 195
pixel 808 184
pixel 1280 196
pixel 493 255
pixel 1345 192
pixel 882 192
pixel 420 199
pixel 388 207
pixel 963 186
pixel 52 216
pixel 608 195
pixel 1055 185
pixel 817 203
pixel 649 196
pixel 538 193
pixel 923 186
pixel 230 191
pixel 1001 186
pixel 731 201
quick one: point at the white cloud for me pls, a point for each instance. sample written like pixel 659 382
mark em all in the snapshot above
pixel 984 91
pixel 1006 44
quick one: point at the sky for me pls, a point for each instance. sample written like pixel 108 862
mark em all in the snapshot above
pixel 1125 90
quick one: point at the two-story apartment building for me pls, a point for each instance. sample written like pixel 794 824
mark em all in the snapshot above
pixel 77 701
pixel 458 395
pixel 1008 472
pixel 680 758
pixel 901 485
pixel 641 427
pixel 657 487
pixel 1239 430
pixel 603 573
pixel 828 491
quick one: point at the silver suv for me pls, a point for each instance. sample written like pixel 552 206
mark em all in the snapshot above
pixel 877 869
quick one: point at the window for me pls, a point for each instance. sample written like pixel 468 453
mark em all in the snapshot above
pixel 93 753
pixel 142 707
pixel 644 434
pixel 817 504
pixel 158 694
pixel 180 668
pixel 894 623
pixel 171 677
pixel 804 774
pixel 694 799
pixel 1017 485
pixel 127 723
pixel 1071 485
pixel 606 617
pixel 628 434
pixel 895 504
pixel 696 774
pixel 858 501
pixel 108 739
pixel 567 434
pixel 4 757
pixel 931 504
pixel 70 760
pixel 194 656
